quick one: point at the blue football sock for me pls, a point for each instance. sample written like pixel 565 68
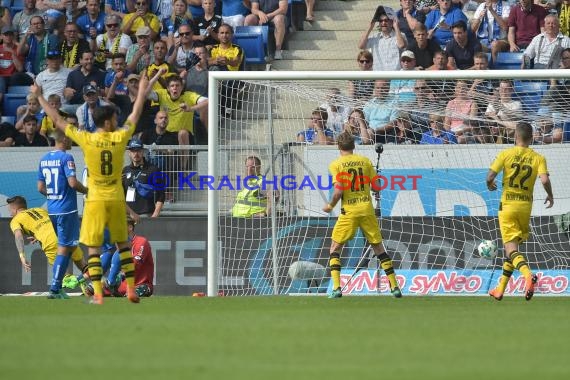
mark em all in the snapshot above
pixel 106 261
pixel 59 267
pixel 115 268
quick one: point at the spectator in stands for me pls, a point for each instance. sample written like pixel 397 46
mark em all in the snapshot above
pixel 140 55
pixel 337 111
pixel 480 133
pixel 92 23
pixel 142 199
pixel 404 133
pixel 317 132
pixel 182 54
pixel 420 110
pixel 409 17
pixel 234 12
pixel 22 21
pixel 72 47
pixel 110 43
pixel 556 98
pixel 30 135
pixel 47 127
pixel 385 44
pixel 358 127
pixel 546 48
pixel 546 132
pixel 52 80
pixel 159 50
pixel 197 74
pixel 85 111
pixel 35 44
pixel 270 11
pixel 32 107
pixel 462 47
pixel 402 90
pixel 181 106
pixel 11 65
pixel 442 89
pixel 53 13
pixel 206 27
pixel 437 134
pixel 310 6
pixel 439 22
pixel 490 25
pixel 116 80
pixel 5 17
pixel 226 55
pixel 7 135
pixel 423 48
pixel 458 109
pixel 525 22
pixel 119 7
pixel 85 74
pixel 380 112
pixel 179 16
pixel 426 6
pixel 141 18
pixel 125 104
pixel 363 89
pixel 440 61
pixel 505 112
pixel 482 90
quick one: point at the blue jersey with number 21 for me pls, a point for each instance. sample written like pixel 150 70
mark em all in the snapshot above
pixel 55 167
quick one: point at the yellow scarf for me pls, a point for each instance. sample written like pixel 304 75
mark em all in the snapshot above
pixel 69 56
pixel 565 19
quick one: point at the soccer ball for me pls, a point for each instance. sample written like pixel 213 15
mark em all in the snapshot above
pixel 487 249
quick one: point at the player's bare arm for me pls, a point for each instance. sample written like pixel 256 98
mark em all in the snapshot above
pixel 144 89
pixel 76 185
pixel 336 197
pixel 491 184
pixel 52 113
pixel 19 240
pixel 545 179
pixel 42 188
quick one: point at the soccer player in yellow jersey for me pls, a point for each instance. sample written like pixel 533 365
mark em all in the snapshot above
pixel 36 222
pixel 352 175
pixel 105 205
pixel 520 166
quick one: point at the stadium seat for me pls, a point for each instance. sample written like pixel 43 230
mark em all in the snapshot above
pixel 17 6
pixel 19 90
pixel 263 30
pixel 530 94
pixel 566 132
pixel 252 44
pixel 12 102
pixel 508 61
pixel 8 119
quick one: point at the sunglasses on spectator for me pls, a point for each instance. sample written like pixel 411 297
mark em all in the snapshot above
pixel 406 60
pixel 141 4
pixel 382 20
pixel 421 88
pixel 184 34
pixel 112 25
pixel 364 61
pixel 316 119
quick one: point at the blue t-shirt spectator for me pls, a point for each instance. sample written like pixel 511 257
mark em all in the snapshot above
pixel 443 138
pixel 434 18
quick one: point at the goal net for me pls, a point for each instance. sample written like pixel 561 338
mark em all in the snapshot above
pixel 440 132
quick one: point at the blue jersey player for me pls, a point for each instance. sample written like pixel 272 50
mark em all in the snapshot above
pixel 57 181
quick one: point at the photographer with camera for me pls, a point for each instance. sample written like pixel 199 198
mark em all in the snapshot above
pixel 386 44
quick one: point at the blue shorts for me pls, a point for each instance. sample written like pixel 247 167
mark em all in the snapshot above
pixel 66 227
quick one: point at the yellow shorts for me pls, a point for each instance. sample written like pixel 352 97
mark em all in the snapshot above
pixel 514 225
pixel 346 226
pixel 100 214
pixel 51 252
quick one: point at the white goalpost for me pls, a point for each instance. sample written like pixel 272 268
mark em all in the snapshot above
pixel 434 207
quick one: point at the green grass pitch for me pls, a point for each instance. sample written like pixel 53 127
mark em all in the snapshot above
pixel 286 338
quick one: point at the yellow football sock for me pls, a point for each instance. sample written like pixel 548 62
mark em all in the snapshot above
pixel 95 273
pixel 127 266
pixel 508 269
pixel 520 263
pixel 335 269
pixel 386 264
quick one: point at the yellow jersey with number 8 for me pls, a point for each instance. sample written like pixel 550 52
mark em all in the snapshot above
pixel 104 157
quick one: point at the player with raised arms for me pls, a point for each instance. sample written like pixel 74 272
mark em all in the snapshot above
pixel 520 166
pixel 105 204
pixel 357 211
